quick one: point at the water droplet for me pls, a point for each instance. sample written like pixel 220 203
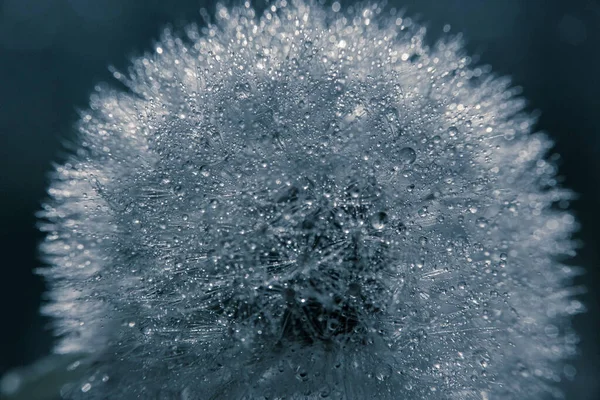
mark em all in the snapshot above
pixel 354 191
pixel 354 289
pixel 401 227
pixel 302 376
pixel 384 371
pixel 407 155
pixel 379 220
pixel 333 324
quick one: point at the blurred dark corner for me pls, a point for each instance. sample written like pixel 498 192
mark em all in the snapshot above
pixel 53 52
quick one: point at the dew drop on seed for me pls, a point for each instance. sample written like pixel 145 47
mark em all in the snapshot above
pixel 354 289
pixel 407 155
pixel 379 220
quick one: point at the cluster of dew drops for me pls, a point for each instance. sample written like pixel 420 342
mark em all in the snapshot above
pixel 323 182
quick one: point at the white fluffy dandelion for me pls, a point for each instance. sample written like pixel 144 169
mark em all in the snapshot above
pixel 310 204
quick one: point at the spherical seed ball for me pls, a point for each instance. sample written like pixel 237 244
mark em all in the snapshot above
pixel 310 204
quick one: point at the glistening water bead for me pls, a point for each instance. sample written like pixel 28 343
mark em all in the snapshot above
pixel 310 204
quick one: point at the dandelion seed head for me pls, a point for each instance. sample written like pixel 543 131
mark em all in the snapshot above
pixel 310 204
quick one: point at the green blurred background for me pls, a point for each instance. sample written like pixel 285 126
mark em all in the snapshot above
pixel 53 52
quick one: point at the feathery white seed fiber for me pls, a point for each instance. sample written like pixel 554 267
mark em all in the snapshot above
pixel 310 204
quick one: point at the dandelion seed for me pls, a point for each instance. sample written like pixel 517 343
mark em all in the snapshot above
pixel 311 204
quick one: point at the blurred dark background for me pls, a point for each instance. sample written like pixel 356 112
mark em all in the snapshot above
pixel 53 52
